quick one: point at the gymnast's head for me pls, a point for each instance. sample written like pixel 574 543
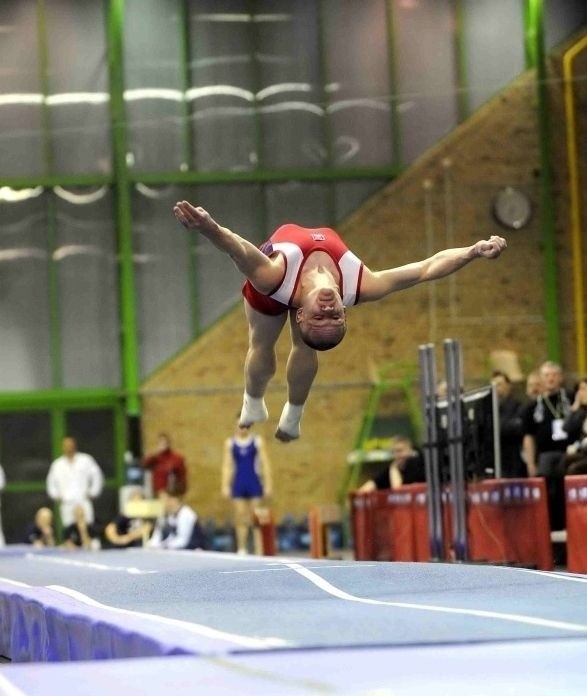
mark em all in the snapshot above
pixel 321 318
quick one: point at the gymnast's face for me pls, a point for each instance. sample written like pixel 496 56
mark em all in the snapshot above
pixel 321 318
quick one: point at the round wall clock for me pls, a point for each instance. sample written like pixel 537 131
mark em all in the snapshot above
pixel 512 208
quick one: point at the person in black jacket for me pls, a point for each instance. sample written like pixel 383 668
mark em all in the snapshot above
pixel 575 425
pixel 407 466
pixel 510 427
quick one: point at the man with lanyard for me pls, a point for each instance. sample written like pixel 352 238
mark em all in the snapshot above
pixel 545 439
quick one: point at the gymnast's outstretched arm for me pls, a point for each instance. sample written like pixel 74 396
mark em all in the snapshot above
pixel 378 284
pixel 263 272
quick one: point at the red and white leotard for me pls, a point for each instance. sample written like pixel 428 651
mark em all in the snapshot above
pixel 296 243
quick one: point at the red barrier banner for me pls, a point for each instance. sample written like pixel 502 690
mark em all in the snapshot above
pixel 383 524
pixel 576 503
pixel 401 524
pixel 507 522
pixel 362 525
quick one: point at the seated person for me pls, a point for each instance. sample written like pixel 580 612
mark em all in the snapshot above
pixel 41 533
pixel 179 528
pixel 575 425
pixel 407 466
pixel 510 427
pixel 124 532
pixel 80 534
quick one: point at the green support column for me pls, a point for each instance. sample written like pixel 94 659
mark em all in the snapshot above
pixel 186 83
pixel 54 324
pixel 54 314
pixel 327 133
pixel 536 58
pixel 463 104
pixel 44 85
pixel 129 345
pixel 396 135
pixel 188 164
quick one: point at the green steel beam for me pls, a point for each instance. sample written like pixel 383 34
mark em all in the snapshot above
pixel 327 131
pixel 44 84
pixel 533 11
pixel 536 54
pixel 22 401
pixel 129 341
pixel 266 176
pixel 396 130
pixel 256 86
pixel 186 80
pixel 120 445
pixel 41 486
pixel 188 145
pixel 54 313
pixel 58 431
pixel 253 177
pixel 463 104
pixel 25 487
pixel 193 243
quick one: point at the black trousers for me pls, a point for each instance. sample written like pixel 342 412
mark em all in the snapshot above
pixel 551 466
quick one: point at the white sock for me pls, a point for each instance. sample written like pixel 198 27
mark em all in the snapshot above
pixel 253 410
pixel 289 423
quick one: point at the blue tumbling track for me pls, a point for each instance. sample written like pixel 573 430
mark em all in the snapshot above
pixel 215 623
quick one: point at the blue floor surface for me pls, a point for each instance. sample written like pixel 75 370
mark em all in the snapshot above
pixel 220 623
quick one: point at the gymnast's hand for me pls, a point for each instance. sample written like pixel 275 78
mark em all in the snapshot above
pixel 490 248
pixel 195 218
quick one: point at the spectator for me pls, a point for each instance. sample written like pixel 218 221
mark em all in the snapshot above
pixel 167 466
pixel 41 533
pixel 124 532
pixel 533 385
pixel 81 534
pixel 510 427
pixel 179 528
pixel 74 479
pixel 407 466
pixel 575 458
pixel 545 439
pixel 246 479
pixel 441 389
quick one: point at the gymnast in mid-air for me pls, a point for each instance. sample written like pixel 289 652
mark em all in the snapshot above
pixel 312 277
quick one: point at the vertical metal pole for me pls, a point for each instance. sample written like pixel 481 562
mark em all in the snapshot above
pixel 427 186
pixel 452 356
pixel 496 442
pixel 430 446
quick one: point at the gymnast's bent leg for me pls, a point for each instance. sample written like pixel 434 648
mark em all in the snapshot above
pixel 302 367
pixel 260 363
